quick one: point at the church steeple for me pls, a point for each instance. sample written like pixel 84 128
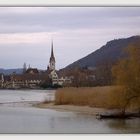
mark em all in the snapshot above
pixel 52 59
pixel 52 53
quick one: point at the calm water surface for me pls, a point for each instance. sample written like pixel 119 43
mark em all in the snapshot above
pixel 18 116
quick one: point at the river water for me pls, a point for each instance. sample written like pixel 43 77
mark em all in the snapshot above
pixel 17 115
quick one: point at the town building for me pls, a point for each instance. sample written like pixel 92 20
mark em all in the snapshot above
pixel 33 78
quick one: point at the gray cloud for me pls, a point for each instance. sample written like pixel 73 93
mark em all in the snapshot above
pixel 77 31
pixel 53 19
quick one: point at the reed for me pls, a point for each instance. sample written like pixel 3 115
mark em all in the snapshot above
pixel 110 97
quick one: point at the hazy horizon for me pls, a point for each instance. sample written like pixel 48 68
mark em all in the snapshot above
pixel 26 33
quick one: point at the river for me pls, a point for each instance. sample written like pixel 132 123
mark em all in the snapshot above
pixel 17 115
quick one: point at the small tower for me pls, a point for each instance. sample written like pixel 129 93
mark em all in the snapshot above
pixel 52 59
pixel 24 67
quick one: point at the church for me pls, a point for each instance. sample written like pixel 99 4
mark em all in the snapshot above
pixel 33 78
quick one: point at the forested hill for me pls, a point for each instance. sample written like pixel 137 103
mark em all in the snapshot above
pixel 111 52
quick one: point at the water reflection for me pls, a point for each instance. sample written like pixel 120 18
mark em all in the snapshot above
pixel 125 125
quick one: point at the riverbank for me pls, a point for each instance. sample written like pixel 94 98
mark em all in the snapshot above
pixel 75 108
pixel 106 100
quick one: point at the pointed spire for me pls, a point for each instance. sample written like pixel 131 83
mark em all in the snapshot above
pixel 52 53
pixel 52 59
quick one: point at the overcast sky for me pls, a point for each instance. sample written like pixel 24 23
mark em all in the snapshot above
pixel 26 32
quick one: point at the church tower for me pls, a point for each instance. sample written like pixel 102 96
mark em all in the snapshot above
pixel 52 59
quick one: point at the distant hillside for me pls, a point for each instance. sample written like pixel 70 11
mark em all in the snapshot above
pixel 112 51
pixel 10 71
